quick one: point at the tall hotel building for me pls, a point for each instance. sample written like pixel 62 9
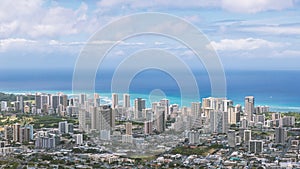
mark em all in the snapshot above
pixel 115 100
pixel 249 107
pixel 139 105
pixel 128 127
pixel 126 100
pixel 102 118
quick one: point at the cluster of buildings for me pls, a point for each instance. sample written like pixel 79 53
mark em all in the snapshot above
pixel 18 133
pixel 131 128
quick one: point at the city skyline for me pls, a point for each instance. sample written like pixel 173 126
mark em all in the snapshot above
pixel 149 84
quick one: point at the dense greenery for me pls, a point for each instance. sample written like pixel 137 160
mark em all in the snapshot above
pixel 13 97
pixel 50 121
pixel 7 97
pixel 47 121
pixel 9 164
pixel 184 150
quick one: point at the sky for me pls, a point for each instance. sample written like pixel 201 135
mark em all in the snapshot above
pixel 247 35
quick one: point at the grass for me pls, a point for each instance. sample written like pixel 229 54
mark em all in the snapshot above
pixel 203 151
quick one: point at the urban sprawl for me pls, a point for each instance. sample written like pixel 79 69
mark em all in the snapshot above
pixel 82 131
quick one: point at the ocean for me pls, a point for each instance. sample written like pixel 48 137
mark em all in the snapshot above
pixel 278 89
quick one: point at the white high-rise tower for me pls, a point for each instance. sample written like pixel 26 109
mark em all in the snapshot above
pixel 126 100
pixel 249 107
pixel 115 100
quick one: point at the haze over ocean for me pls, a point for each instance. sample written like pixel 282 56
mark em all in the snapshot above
pixel 278 89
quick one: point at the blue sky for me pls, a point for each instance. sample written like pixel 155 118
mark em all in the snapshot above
pixel 248 34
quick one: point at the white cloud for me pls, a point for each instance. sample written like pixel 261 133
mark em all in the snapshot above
pixel 31 19
pixel 243 44
pixel 254 6
pixel 277 30
pixel 241 6
pixel 134 4
pixel 193 18
pixel 12 43
pixel 286 53
pixel 120 53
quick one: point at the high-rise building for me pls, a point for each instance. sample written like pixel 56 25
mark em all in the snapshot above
pixel 165 103
pixel 256 146
pixel 231 135
pixel 213 103
pixel 128 128
pixel 38 101
pixel 196 109
pixel 96 100
pixel 174 108
pixel 218 121
pixel 20 100
pixel 238 108
pixel 48 141
pixel 193 137
pixel 226 104
pixel 44 100
pixel 232 115
pixel 148 127
pixel 276 116
pixel 55 102
pixel 26 133
pixel 78 139
pixel 82 119
pixel 70 128
pixel 16 132
pixel 148 114
pixel 160 121
pixel 260 119
pixel 244 124
pixel 115 100
pixel 249 107
pixel 280 135
pixel 247 137
pixel 288 121
pixel 262 109
pixel 64 100
pixel 195 115
pixel 63 127
pixel 126 100
pixel 8 133
pixel 3 105
pixel 139 105
pixel 82 99
pixel 102 118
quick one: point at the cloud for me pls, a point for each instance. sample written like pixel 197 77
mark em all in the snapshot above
pixel 287 53
pixel 119 53
pixel 240 6
pixel 243 44
pixel 275 29
pixel 192 18
pixel 11 43
pixel 34 19
pixel 254 6
pixel 138 4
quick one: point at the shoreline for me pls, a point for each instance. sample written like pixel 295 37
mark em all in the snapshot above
pixel 173 99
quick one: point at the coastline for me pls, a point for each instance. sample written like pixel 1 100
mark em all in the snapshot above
pixel 106 98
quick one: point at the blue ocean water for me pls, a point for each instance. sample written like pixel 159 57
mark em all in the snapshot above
pixel 278 89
